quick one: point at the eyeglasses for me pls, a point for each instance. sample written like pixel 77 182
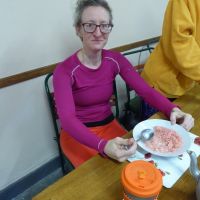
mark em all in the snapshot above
pixel 90 27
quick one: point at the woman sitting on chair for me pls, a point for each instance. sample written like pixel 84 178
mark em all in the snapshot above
pixel 83 85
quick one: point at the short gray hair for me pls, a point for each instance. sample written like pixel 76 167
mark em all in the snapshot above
pixel 81 5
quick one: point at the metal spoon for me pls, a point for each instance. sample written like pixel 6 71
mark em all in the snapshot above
pixel 145 135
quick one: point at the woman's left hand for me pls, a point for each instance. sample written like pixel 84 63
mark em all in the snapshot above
pixel 184 119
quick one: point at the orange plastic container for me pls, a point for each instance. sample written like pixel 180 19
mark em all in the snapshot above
pixel 141 180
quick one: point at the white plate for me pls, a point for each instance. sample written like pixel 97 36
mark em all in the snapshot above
pixel 186 141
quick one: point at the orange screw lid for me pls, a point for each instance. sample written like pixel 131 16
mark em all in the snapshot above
pixel 141 179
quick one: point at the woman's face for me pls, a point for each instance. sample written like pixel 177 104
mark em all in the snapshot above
pixel 97 40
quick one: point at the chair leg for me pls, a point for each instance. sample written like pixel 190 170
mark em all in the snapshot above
pixel 62 161
pixel 68 167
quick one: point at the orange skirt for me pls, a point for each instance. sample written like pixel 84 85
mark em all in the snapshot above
pixel 78 153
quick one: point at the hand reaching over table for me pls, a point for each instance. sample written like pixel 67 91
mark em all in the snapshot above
pixel 184 119
pixel 120 149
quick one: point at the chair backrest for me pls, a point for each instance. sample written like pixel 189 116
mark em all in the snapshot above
pixel 139 67
pixel 116 100
pixel 51 101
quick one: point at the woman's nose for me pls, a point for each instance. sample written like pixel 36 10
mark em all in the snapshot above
pixel 97 31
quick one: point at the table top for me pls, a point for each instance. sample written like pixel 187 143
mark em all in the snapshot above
pixel 99 178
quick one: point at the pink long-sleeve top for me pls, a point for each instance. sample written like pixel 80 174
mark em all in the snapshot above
pixel 82 94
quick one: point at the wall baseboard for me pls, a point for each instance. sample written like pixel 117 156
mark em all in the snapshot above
pixel 30 179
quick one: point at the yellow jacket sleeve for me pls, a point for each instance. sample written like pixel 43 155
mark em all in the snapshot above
pixel 181 36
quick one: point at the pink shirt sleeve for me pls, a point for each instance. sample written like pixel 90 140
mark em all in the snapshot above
pixel 66 111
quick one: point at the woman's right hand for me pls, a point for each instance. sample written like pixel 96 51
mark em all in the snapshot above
pixel 120 149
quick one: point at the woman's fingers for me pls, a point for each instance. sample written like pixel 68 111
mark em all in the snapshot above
pixel 184 119
pixel 188 122
pixel 128 153
pixel 120 149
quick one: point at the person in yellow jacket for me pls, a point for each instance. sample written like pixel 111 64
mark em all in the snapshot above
pixel 174 65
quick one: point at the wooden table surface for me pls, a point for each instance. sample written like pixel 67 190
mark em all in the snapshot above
pixel 99 178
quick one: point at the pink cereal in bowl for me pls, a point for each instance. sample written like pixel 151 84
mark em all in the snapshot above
pixel 164 140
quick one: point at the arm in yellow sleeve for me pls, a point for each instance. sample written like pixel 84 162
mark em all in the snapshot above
pixel 180 39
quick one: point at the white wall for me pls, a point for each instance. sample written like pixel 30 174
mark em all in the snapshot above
pixel 38 33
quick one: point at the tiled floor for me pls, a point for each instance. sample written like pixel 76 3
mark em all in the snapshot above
pixel 39 186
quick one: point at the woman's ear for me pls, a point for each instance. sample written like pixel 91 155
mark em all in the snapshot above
pixel 78 32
